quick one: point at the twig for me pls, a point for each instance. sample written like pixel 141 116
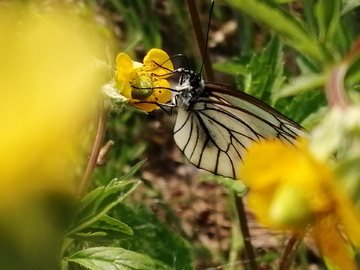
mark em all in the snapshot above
pixel 289 252
pixel 104 152
pixel 249 250
pixel 95 151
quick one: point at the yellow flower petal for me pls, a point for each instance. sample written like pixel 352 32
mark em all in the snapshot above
pixel 259 203
pixel 274 163
pixel 163 95
pixel 158 62
pixel 350 218
pixel 332 245
pixel 147 107
pixel 124 65
pixel 273 157
pixel 125 89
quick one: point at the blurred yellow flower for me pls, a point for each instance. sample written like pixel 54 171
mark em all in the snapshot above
pixel 290 190
pixel 144 82
pixel 49 94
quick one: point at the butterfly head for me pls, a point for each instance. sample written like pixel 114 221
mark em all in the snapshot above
pixel 190 81
pixel 191 86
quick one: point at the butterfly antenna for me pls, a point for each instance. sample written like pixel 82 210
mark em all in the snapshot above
pixel 182 57
pixel 207 40
pixel 194 15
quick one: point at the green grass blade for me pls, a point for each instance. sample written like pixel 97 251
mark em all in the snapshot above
pixel 286 25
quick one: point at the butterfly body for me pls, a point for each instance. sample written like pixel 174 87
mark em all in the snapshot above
pixel 190 89
pixel 215 124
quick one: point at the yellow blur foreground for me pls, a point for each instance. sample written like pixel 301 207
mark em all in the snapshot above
pixel 49 92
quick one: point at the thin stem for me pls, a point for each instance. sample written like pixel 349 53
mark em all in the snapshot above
pixel 95 151
pixel 290 249
pixel 249 250
pixel 194 15
pixel 335 90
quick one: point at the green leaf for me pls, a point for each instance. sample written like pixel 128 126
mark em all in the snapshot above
pixel 314 119
pixel 285 24
pixel 301 84
pixel 261 84
pixel 309 14
pixel 324 13
pixel 154 238
pixel 298 108
pixel 89 236
pixel 127 176
pixel 233 67
pixel 331 33
pixel 106 258
pixel 109 223
pixel 105 229
pixel 349 6
pixel 97 203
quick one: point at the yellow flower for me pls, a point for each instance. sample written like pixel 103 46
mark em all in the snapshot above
pixel 144 82
pixel 290 190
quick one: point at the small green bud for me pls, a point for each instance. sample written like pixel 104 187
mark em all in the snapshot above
pixel 142 87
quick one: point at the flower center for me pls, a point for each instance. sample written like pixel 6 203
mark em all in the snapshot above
pixel 142 87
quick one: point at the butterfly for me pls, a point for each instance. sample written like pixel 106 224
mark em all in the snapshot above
pixel 215 124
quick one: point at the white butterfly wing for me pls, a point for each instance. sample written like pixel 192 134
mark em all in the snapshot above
pixel 215 132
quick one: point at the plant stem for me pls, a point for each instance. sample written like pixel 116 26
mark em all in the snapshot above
pixel 194 15
pixel 334 89
pixel 249 250
pixel 95 150
pixel 289 252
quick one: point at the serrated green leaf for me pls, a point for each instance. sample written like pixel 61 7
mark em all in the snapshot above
pixel 113 258
pixel 106 200
pixel 291 29
pixel 97 203
pixel 261 84
pixel 105 229
pixel 154 238
pixel 94 196
pixel 109 223
pixel 127 176
pixel 301 106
